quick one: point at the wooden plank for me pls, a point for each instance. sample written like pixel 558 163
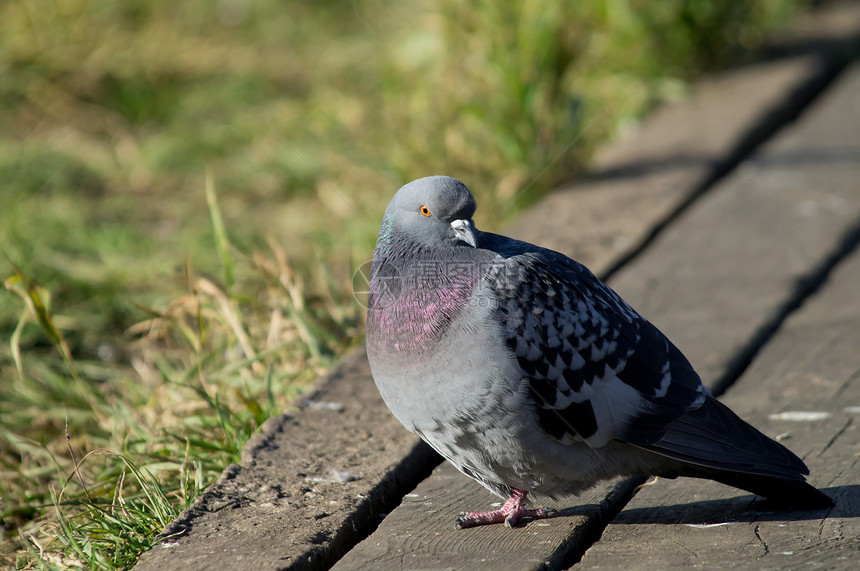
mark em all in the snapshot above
pixel 808 177
pixel 707 281
pixel 420 533
pixel 723 271
pixel 639 182
pixel 804 389
pixel 306 486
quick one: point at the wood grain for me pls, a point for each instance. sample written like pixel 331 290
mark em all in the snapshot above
pixel 811 366
pixel 420 533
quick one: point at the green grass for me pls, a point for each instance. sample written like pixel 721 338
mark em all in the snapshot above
pixel 185 189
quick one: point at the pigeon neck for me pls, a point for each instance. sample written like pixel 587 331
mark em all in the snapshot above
pixel 414 299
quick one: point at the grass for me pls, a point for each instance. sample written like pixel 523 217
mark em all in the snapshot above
pixel 186 188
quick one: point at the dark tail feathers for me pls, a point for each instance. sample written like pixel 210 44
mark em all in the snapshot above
pixel 712 442
pixel 785 493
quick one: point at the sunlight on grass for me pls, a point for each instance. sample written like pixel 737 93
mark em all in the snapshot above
pixel 187 187
pixel 205 372
pixel 111 533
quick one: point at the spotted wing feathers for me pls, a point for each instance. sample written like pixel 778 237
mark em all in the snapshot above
pixel 595 370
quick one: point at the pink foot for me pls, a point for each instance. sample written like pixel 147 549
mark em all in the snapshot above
pixel 510 513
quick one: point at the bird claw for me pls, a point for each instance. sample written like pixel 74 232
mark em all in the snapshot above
pixel 509 514
pixel 509 518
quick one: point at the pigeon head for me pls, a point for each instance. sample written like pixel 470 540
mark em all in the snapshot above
pixel 434 211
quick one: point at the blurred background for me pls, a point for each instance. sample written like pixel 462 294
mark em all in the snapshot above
pixel 186 189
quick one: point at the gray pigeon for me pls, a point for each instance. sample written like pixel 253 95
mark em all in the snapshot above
pixel 529 374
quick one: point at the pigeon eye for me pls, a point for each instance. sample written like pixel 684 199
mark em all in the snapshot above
pixel 424 210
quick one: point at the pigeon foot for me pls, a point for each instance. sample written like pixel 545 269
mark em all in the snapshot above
pixel 510 513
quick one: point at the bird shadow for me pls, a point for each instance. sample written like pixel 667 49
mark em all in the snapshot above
pixel 747 508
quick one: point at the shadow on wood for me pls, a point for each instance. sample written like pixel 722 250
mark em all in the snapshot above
pixel 746 508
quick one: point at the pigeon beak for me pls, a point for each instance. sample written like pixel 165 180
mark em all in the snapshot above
pixel 465 230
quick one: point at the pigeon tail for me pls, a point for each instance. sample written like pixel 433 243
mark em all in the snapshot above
pixel 712 442
pixel 784 493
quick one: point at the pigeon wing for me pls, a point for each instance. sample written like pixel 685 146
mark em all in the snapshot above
pixel 593 367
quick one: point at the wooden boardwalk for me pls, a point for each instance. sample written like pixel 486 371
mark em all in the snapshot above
pixel 735 231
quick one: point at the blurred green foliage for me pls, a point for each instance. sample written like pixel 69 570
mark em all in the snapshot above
pixel 308 115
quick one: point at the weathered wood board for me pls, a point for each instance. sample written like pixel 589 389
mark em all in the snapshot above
pixel 682 147
pixel 809 177
pixel 420 533
pixel 804 389
pixel 639 183
pixel 306 485
pixel 726 270
pixel 744 245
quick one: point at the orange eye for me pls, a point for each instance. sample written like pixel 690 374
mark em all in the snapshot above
pixel 424 210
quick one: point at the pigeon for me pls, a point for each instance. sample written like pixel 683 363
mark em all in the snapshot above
pixel 530 375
